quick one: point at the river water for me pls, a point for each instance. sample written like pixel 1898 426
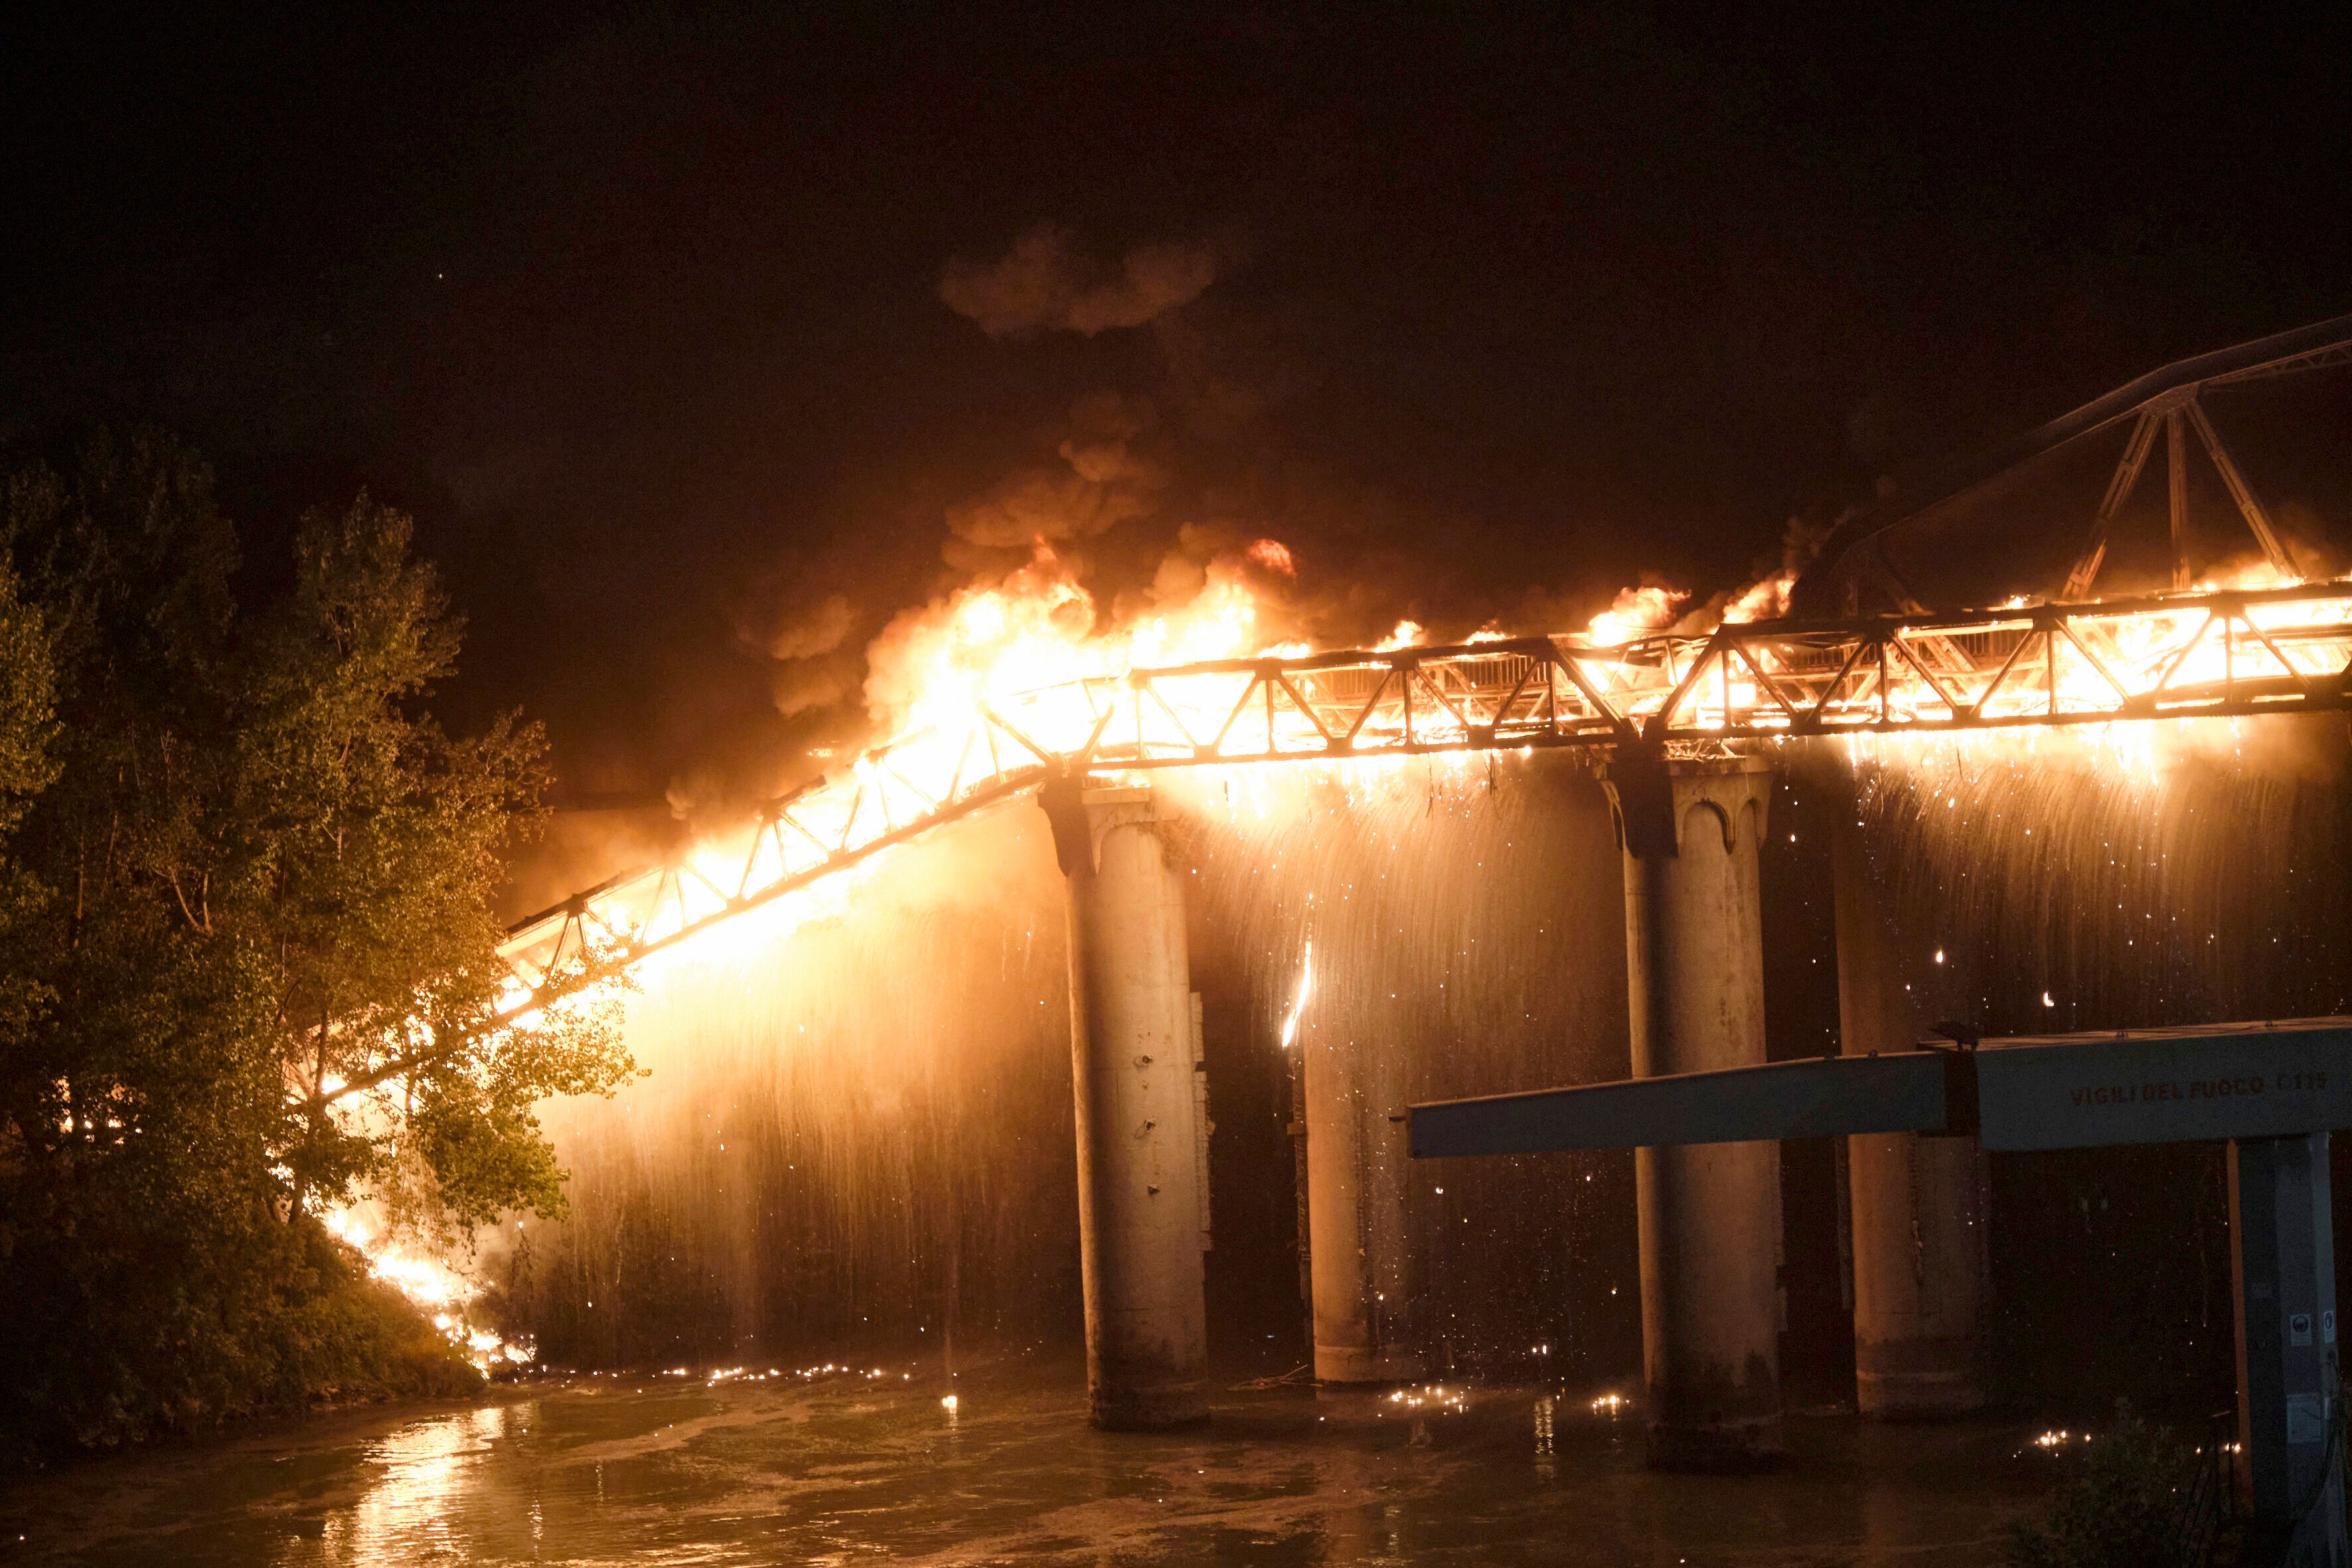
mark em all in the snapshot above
pixel 840 1466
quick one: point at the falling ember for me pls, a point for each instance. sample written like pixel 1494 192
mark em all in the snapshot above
pixel 2116 686
pixel 1298 1003
pixel 996 680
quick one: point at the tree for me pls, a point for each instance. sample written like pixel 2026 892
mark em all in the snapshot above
pixel 245 870
pixel 2132 1502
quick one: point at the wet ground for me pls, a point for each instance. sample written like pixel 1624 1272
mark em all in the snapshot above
pixel 839 1468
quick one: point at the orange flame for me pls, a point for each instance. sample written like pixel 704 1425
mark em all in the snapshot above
pixel 1038 628
pixel 1637 613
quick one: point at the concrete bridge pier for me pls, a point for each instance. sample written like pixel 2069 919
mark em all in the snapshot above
pixel 1917 1201
pixel 1361 1265
pixel 1710 1214
pixel 1133 1060
pixel 2291 1418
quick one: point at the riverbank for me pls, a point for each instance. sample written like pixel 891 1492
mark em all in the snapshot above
pixel 827 1464
pixel 118 1504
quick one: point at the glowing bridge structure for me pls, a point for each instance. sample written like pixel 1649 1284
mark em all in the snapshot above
pixel 2212 655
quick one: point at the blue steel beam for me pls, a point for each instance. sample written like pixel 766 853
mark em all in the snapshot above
pixel 2026 1092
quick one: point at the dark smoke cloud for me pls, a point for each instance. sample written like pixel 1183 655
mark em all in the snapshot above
pixel 1106 480
pixel 1043 284
pixel 820 631
pixel 1102 471
pixel 800 686
pixel 1102 426
pixel 1038 503
pixel 802 623
pixel 811 635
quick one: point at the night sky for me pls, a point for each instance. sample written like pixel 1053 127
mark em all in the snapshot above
pixel 673 325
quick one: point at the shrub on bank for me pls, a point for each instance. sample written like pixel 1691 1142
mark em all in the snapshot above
pixel 359 1341
pixel 2127 1506
pixel 108 1345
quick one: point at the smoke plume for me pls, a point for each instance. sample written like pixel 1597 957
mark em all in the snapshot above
pixel 1044 284
pixel 820 631
pixel 1104 479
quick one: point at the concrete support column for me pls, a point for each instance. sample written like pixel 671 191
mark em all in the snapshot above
pixel 2290 1403
pixel 1133 1063
pixel 1917 1203
pixel 1360 1261
pixel 1710 1214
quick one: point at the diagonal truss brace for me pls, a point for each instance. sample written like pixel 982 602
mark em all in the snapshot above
pixel 2177 412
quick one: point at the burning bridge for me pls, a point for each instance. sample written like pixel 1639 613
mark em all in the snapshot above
pixel 1683 729
pixel 2231 654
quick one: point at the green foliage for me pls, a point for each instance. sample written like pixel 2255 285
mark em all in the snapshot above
pixel 247 957
pixel 2122 1509
pixel 147 1329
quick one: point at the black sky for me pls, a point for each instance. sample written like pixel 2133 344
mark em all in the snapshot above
pixel 638 310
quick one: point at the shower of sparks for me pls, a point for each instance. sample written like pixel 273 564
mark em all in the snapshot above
pixel 1298 1002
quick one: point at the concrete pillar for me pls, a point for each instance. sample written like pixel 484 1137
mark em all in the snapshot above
pixel 1360 1257
pixel 1710 1214
pixel 1917 1203
pixel 2291 1433
pixel 1305 1227
pixel 1133 1066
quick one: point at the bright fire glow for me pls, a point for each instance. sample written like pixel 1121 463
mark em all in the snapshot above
pixel 1638 612
pixel 1298 1002
pixel 935 667
pixel 1763 601
pixel 993 682
pixel 431 1285
pixel 1983 682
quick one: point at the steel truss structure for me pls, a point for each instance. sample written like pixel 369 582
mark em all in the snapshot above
pixel 2165 402
pixel 2268 651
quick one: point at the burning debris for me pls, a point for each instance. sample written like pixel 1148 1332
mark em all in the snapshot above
pixel 442 1292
